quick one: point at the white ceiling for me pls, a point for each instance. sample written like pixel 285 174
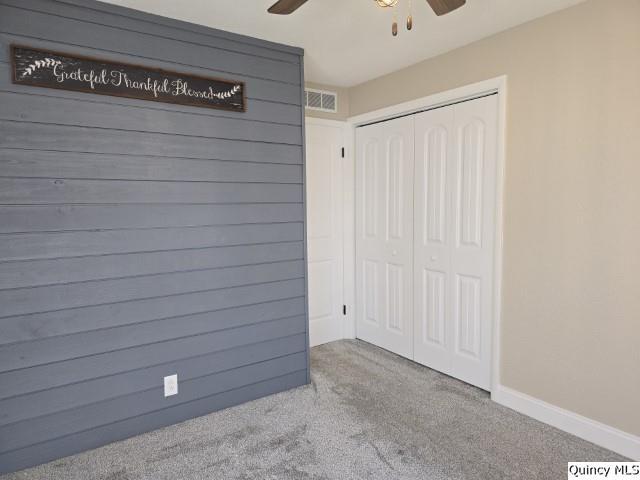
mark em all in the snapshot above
pixel 348 42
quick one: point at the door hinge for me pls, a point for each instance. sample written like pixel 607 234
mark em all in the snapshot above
pixel 342 152
pixel 344 309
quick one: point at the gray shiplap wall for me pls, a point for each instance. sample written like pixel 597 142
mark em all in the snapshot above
pixel 140 239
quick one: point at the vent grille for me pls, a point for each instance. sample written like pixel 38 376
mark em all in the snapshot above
pixel 321 100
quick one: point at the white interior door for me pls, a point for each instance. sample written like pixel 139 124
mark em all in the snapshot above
pixel 384 234
pixel 455 187
pixel 324 144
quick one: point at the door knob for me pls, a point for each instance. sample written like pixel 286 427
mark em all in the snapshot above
pixel 433 258
pixel 395 252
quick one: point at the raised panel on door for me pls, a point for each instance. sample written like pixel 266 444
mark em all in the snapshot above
pixel 370 189
pixel 324 231
pixel 473 230
pixel 370 293
pixel 432 238
pixel 395 298
pixel 384 234
pixel 396 190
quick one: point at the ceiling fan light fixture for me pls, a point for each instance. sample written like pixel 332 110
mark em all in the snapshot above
pixel 386 3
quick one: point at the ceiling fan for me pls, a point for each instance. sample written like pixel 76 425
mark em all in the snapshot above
pixel 441 7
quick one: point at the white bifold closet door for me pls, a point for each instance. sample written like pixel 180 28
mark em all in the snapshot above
pixel 384 234
pixel 455 204
pixel 429 297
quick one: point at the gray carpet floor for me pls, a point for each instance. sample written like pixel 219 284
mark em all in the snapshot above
pixel 367 415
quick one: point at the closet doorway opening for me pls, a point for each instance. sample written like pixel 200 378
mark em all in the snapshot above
pixel 428 234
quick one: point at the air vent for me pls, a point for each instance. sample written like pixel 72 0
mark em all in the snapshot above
pixel 321 100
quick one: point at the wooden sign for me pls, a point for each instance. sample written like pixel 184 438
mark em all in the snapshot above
pixel 43 68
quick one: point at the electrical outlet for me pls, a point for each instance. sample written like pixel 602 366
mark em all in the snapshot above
pixel 170 385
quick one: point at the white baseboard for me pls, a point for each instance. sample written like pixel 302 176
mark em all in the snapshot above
pixel 595 432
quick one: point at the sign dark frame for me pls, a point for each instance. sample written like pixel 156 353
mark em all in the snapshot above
pixel 240 99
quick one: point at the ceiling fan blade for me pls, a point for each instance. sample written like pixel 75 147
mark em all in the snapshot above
pixel 442 7
pixel 285 7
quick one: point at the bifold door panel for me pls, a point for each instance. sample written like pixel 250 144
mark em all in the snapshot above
pixel 384 234
pixel 432 239
pixel 454 241
pixel 450 206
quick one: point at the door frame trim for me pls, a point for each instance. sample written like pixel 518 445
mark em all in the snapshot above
pixel 348 221
pixel 468 92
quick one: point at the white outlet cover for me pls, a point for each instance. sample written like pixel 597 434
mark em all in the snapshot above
pixel 170 385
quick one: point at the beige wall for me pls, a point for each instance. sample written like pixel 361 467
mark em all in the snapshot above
pixel 343 102
pixel 571 299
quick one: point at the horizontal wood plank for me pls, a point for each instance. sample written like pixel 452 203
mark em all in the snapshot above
pixel 28 191
pixel 49 218
pixel 70 165
pixel 67 270
pixel 29 246
pixel 36 326
pixel 33 136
